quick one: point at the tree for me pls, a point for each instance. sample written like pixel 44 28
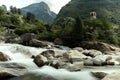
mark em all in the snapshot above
pixel 2 12
pixel 4 7
pixel 30 17
pixel 78 30
pixel 19 11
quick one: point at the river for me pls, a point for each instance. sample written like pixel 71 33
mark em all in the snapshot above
pixel 22 54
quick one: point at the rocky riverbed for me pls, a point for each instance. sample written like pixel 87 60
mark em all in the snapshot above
pixel 55 62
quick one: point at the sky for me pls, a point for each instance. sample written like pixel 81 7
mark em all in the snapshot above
pixel 55 5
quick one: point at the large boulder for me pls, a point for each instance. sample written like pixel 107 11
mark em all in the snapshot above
pixel 113 76
pixel 74 55
pixel 40 60
pixel 38 43
pixel 100 46
pixel 26 38
pixel 99 60
pixel 4 57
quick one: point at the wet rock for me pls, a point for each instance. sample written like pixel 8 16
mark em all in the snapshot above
pixel 40 60
pixel 34 76
pixel 92 53
pixel 100 75
pixel 74 55
pixel 6 75
pixel 4 57
pixel 56 64
pixel 49 54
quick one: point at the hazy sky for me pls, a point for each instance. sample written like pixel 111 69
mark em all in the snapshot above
pixel 55 5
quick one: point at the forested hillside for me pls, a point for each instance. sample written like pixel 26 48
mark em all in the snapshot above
pixel 107 9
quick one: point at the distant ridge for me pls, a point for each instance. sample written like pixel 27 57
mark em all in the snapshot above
pixel 41 11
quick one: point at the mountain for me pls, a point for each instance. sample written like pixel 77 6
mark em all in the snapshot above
pixel 41 11
pixel 109 9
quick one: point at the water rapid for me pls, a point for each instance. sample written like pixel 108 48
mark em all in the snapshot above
pixel 22 54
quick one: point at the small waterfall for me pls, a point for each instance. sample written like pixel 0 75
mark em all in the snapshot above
pixel 19 52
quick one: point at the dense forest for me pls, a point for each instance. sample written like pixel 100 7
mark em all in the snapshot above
pixel 69 31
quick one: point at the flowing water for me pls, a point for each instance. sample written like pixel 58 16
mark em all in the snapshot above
pixel 22 54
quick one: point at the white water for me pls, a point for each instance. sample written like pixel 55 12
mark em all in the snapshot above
pixel 22 54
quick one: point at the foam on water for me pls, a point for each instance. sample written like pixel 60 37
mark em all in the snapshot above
pixel 21 54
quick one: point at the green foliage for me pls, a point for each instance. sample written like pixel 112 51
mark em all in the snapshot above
pixel 108 9
pixel 79 30
pixel 15 10
pixel 30 17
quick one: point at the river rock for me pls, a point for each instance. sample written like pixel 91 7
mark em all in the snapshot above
pixel 100 46
pixel 10 70
pixel 6 75
pixel 92 53
pixel 99 60
pixel 49 54
pixel 40 60
pixel 38 43
pixel 100 75
pixel 113 76
pixel 74 55
pixel 4 57
pixel 112 62
pixel 88 62
pixel 80 49
pixel 27 37
pixel 34 76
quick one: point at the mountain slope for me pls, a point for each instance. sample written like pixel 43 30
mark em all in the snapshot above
pixel 109 9
pixel 41 11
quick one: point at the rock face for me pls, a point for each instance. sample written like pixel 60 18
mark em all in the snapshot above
pixel 4 57
pixel 41 11
pixel 113 76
